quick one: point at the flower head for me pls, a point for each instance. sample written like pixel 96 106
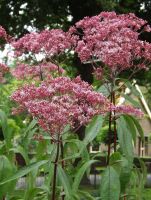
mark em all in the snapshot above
pixel 113 40
pixel 49 42
pixel 3 33
pixel 61 101
pixel 45 70
pixel 129 110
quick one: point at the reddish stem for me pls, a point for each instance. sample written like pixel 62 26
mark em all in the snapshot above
pixel 55 173
pixel 115 132
pixel 62 163
pixel 109 134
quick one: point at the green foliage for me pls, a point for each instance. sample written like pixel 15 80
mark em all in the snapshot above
pixel 137 180
pixel 125 138
pixel 80 174
pixel 123 168
pixel 65 182
pixel 93 129
pixel 110 184
pixel 125 173
pixel 6 170
pixel 24 171
pixel 5 93
pixel 103 136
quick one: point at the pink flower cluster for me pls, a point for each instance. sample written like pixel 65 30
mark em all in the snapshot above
pixel 61 101
pixel 3 70
pixel 129 110
pixel 51 42
pixel 113 40
pixel 3 33
pixel 25 71
pixel 98 73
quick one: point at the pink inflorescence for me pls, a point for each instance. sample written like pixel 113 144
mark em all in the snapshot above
pixel 23 71
pixel 50 42
pixel 3 33
pixel 98 73
pixel 127 109
pixel 113 40
pixel 3 70
pixel 61 101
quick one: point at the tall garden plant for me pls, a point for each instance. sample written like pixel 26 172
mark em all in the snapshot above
pixel 60 105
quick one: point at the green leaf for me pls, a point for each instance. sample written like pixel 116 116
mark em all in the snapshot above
pixel 93 129
pixel 6 170
pixel 24 171
pixel 86 195
pixel 116 156
pixel 115 161
pixel 3 120
pixel 71 147
pixel 110 184
pixel 104 90
pixel 125 138
pixel 80 174
pixel 143 171
pixel 91 132
pixel 125 173
pixel 41 150
pixel 131 127
pixel 132 88
pixel 76 155
pixel 30 126
pixel 131 100
pixel 5 129
pixel 122 167
pixel 138 127
pixel 65 182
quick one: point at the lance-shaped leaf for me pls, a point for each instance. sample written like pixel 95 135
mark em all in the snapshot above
pixel 138 127
pixel 131 126
pixel 80 174
pixel 24 171
pixel 5 128
pixel 6 170
pixel 93 129
pixel 125 139
pixel 65 182
pixel 125 173
pixel 110 184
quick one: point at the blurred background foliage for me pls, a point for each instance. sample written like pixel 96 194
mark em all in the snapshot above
pixel 17 15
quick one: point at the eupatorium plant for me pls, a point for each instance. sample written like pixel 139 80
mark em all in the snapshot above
pixel 61 101
pixel 112 44
pixel 114 41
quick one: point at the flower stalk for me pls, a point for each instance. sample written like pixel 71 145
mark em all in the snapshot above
pixel 53 197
